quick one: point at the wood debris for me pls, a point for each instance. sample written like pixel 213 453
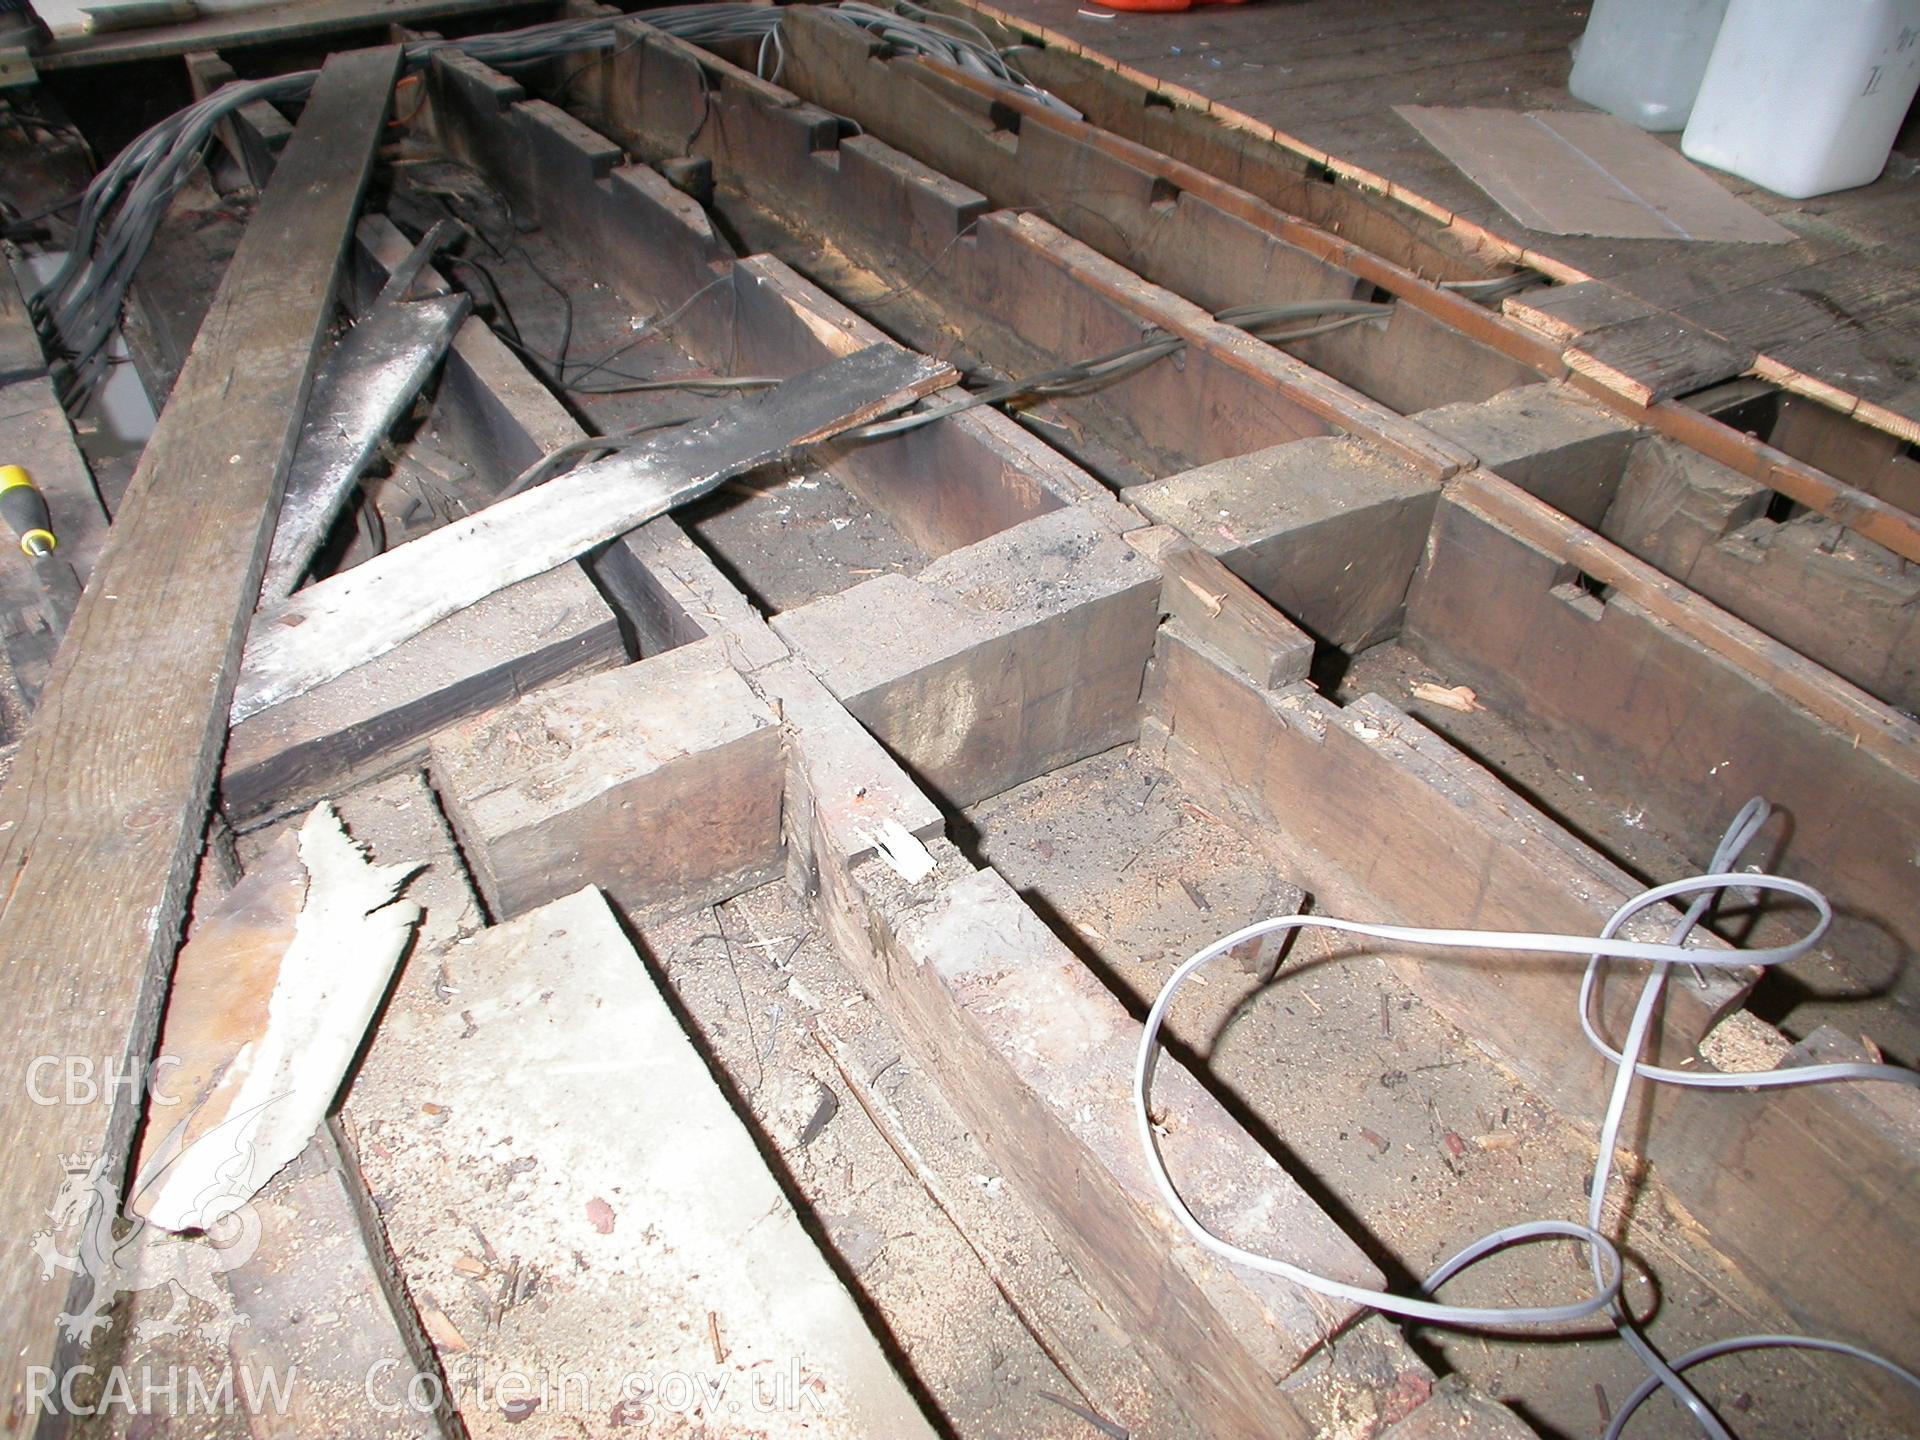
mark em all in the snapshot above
pixel 271 999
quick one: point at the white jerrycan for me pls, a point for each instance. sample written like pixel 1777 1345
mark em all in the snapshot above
pixel 1805 96
pixel 1642 59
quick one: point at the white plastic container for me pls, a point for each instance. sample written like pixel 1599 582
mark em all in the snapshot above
pixel 1805 96
pixel 1642 59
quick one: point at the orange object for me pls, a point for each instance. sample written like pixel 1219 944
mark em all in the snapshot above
pixel 1162 7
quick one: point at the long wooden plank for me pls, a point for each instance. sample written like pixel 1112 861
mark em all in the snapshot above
pixel 103 815
pixel 942 486
pixel 378 717
pixel 1865 514
pixel 1839 601
pixel 1873 460
pixel 363 386
pixel 266 25
pixel 1867 724
pixel 1174 225
pixel 327 629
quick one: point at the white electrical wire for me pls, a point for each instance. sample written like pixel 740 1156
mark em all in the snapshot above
pixel 1618 1425
pixel 1605 1256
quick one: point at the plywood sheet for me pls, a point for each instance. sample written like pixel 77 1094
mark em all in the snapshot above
pixel 1570 173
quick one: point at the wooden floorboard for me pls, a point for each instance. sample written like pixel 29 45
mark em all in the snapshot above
pixel 1328 75
pixel 267 25
pixel 104 814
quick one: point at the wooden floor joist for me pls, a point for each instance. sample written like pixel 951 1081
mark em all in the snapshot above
pixel 1385 820
pixel 326 629
pixel 104 813
pixel 1012 276
pixel 1658 693
pixel 1212 241
pixel 934 754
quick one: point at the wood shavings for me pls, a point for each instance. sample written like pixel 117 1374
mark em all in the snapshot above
pixel 1212 601
pixel 1451 697
pixel 271 1000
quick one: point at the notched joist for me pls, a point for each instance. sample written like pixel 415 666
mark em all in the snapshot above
pixel 1655 694
pixel 1184 124
pixel 1168 167
pixel 1837 598
pixel 1023 294
pixel 1170 222
pixel 942 486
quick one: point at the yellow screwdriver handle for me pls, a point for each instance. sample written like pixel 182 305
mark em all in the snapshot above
pixel 25 510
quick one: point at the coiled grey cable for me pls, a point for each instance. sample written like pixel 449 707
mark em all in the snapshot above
pixel 1605 1256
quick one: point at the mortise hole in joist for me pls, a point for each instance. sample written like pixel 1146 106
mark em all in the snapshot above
pixel 1582 593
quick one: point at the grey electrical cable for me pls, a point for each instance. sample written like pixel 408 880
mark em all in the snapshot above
pixel 1080 376
pixel 550 463
pixel 1740 834
pixel 121 209
pixel 1605 1256
pixel 1617 1426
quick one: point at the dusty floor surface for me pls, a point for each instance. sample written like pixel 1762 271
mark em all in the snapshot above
pixel 857 1131
pixel 1393 1120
